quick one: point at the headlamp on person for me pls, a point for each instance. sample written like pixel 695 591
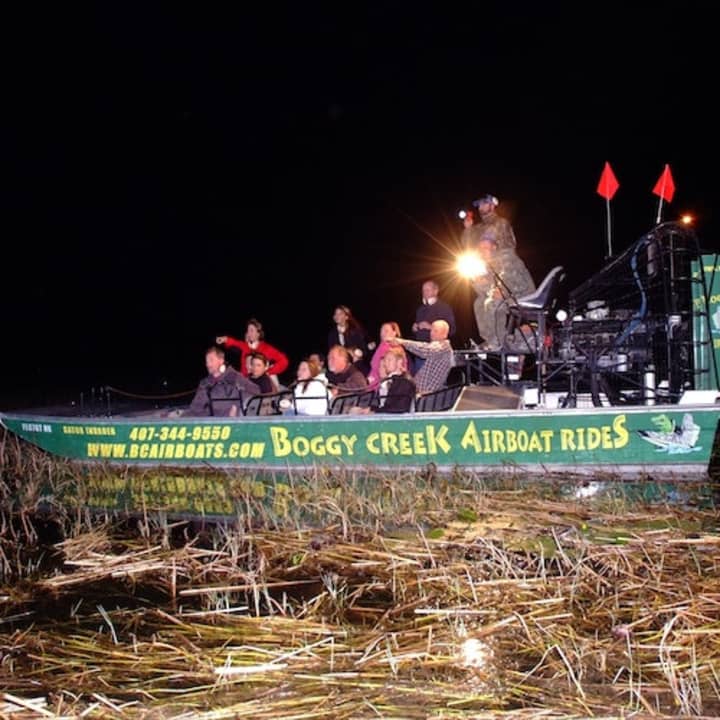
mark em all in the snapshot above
pixel 486 199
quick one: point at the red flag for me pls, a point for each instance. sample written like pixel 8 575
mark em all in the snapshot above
pixel 608 184
pixel 665 186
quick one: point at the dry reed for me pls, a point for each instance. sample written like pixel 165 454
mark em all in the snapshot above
pixel 395 596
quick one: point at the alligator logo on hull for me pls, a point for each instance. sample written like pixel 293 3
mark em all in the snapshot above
pixel 672 438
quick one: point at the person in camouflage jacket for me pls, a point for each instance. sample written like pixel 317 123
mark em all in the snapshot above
pixel 506 280
pixel 491 225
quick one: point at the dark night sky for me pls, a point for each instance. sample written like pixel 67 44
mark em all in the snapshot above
pixel 168 175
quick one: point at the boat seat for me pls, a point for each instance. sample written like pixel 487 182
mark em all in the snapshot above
pixel 545 296
pixel 439 400
pixel 534 309
pixel 343 404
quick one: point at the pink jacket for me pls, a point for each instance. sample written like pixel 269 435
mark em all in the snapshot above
pixel 374 374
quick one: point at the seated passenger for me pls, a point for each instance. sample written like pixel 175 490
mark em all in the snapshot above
pixel 310 391
pixel 319 359
pixel 258 373
pixel 397 391
pixel 438 354
pixel 343 376
pixel 223 392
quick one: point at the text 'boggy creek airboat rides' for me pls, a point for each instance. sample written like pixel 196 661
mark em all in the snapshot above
pixel 624 381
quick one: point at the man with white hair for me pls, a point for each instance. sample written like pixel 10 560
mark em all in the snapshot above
pixel 438 355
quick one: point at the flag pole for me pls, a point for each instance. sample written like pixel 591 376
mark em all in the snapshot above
pixel 665 189
pixel 607 187
pixel 609 228
pixel 662 195
pixel 659 215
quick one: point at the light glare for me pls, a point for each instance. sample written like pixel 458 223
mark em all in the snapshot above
pixel 470 265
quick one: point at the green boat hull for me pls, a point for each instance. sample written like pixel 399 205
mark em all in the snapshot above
pixel 227 468
pixel 655 439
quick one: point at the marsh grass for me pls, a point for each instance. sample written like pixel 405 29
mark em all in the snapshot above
pixel 375 596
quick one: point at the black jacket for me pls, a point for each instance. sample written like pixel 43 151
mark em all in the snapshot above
pixel 400 395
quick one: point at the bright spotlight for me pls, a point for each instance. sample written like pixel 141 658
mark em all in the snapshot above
pixel 561 315
pixel 470 265
pixel 687 219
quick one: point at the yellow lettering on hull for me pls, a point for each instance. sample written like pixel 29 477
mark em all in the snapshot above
pixel 316 446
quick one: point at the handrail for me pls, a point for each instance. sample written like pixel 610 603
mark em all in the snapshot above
pixel 137 396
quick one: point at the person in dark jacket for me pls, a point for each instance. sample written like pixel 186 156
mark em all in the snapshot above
pixel 397 390
pixel 258 368
pixel 349 332
pixel 431 309
pixel 342 375
pixel 223 392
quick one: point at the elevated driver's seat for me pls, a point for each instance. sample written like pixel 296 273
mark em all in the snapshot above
pixel 534 309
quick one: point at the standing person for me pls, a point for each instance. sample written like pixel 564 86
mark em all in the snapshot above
pixel 254 341
pixel 222 392
pixel 438 356
pixel 492 225
pixel 506 280
pixel 349 332
pixel 430 309
pixel 388 330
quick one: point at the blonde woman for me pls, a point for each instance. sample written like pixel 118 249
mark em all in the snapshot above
pixel 397 390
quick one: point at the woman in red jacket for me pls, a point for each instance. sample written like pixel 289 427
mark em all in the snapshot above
pixel 254 342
